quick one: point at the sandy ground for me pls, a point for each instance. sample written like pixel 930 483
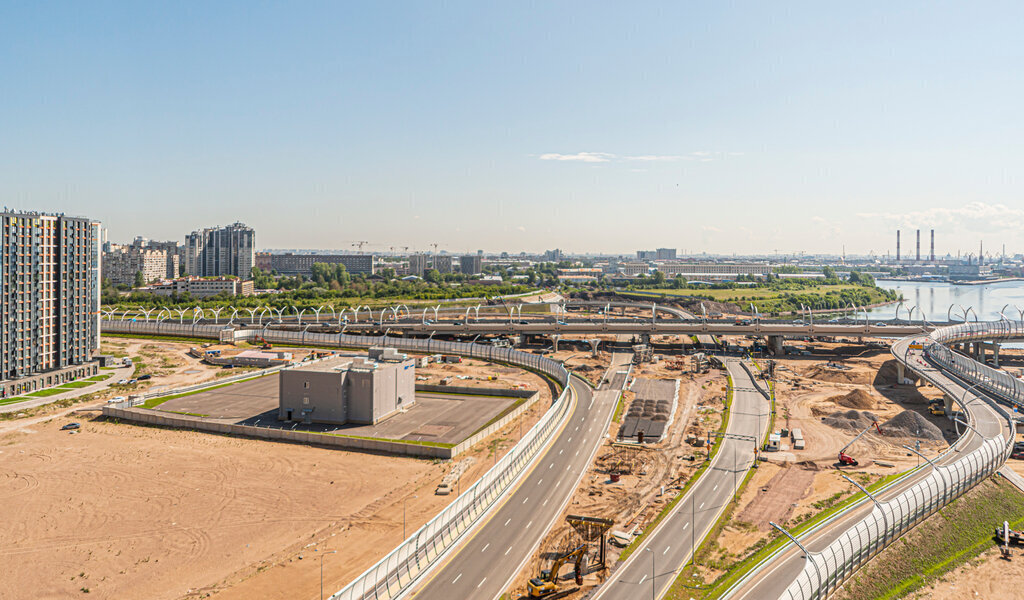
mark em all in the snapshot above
pixel 988 577
pixel 635 499
pixel 134 512
pixel 474 373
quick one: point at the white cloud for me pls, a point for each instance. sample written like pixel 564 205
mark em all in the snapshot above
pixel 521 228
pixel 654 158
pixel 975 216
pixel 590 157
pixel 603 157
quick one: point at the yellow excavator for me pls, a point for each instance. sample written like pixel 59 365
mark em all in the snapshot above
pixel 547 583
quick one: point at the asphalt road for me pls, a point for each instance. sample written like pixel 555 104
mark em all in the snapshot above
pixel 653 566
pixel 772 581
pixel 485 565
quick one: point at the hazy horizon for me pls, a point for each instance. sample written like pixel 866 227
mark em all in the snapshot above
pixel 590 127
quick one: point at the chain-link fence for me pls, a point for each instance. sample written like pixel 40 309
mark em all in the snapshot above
pixel 824 571
pixel 396 571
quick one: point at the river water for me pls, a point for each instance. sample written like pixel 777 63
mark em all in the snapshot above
pixel 935 298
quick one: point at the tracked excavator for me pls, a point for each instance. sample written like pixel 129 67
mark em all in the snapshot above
pixel 546 586
pixel 847 460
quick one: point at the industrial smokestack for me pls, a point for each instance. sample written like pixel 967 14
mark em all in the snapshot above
pixel 981 252
pixel 897 245
pixel 918 256
pixel 932 253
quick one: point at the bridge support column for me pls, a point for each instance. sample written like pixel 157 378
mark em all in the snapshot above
pixel 554 342
pixel 901 372
pixel 995 354
pixel 947 402
pixel 775 345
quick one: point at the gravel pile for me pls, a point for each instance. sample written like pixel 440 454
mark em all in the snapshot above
pixel 855 399
pixel 911 424
pixel 851 420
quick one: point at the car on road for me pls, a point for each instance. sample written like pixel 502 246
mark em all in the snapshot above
pixel 1018 454
pixel 145 377
pixel 70 426
pixel 132 381
pixel 122 382
pixel 880 324
pixel 116 399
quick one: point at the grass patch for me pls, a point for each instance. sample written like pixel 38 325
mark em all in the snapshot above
pixel 737 571
pixel 75 385
pixel 957 533
pixel 690 483
pixel 13 400
pixel 45 393
pixel 619 407
pixel 99 377
pixel 154 402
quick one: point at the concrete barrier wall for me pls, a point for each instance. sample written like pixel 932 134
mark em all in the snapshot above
pixel 163 419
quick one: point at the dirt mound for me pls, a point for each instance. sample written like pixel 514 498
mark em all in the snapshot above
pixel 851 420
pixel 887 373
pixel 835 373
pixel 913 424
pixel 858 399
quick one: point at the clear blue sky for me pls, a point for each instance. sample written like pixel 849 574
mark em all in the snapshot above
pixel 719 127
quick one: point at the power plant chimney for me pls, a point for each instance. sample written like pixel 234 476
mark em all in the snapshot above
pixel 918 259
pixel 981 252
pixel 897 245
pixel 933 247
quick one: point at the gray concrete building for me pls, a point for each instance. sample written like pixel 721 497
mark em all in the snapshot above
pixel 348 389
pixel 302 264
pixel 218 251
pixel 417 264
pixel 443 263
pixel 49 306
pixel 471 264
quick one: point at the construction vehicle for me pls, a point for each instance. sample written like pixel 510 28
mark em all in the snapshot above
pixel 547 583
pixel 1009 536
pixel 265 345
pixel 937 409
pixel 846 459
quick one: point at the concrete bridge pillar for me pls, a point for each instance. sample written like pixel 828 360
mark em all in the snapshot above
pixel 901 372
pixel 775 345
pixel 947 403
pixel 995 354
pixel 554 342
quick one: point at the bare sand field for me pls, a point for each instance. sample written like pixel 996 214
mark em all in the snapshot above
pixel 125 511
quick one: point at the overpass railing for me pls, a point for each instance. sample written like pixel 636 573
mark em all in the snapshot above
pixel 393 574
pixel 826 570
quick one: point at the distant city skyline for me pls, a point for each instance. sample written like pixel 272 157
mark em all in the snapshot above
pixel 590 127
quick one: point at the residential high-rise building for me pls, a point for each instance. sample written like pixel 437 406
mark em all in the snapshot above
pixel 443 263
pixel 665 254
pixel 218 251
pixel 50 301
pixel 121 263
pixel 472 264
pixel 417 264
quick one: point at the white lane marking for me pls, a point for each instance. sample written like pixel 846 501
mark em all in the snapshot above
pixel 714 488
pixel 577 453
pixel 528 524
pixel 486 547
pixel 481 582
pixel 540 482
pixel 591 403
pixel 527 498
pixel 457 578
pixel 568 467
pixel 560 451
pixel 570 439
pixel 509 550
pixel 551 465
pixel 666 550
pixel 701 506
pixel 685 526
pixel 509 521
pixel 642 579
pixel 545 502
pixel 577 428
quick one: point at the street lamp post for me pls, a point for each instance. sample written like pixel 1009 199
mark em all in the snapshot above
pixel 885 518
pixel 404 500
pixel 654 587
pixel 806 553
pixel 322 571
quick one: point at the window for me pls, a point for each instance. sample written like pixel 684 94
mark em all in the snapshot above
pixel 305 385
pixel 305 400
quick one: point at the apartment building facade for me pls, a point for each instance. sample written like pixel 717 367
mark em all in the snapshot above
pixel 218 251
pixel 50 298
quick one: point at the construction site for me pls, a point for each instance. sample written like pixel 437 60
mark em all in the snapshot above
pixel 630 481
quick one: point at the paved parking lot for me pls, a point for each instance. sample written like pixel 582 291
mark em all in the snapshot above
pixel 435 417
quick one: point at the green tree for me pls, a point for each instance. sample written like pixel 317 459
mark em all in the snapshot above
pixel 433 276
pixel 139 279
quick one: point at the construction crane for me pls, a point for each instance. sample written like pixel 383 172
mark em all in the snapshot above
pixel 359 245
pixel 846 459
pixel 547 583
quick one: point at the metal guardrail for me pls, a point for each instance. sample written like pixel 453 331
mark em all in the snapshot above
pixel 824 571
pixel 393 574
